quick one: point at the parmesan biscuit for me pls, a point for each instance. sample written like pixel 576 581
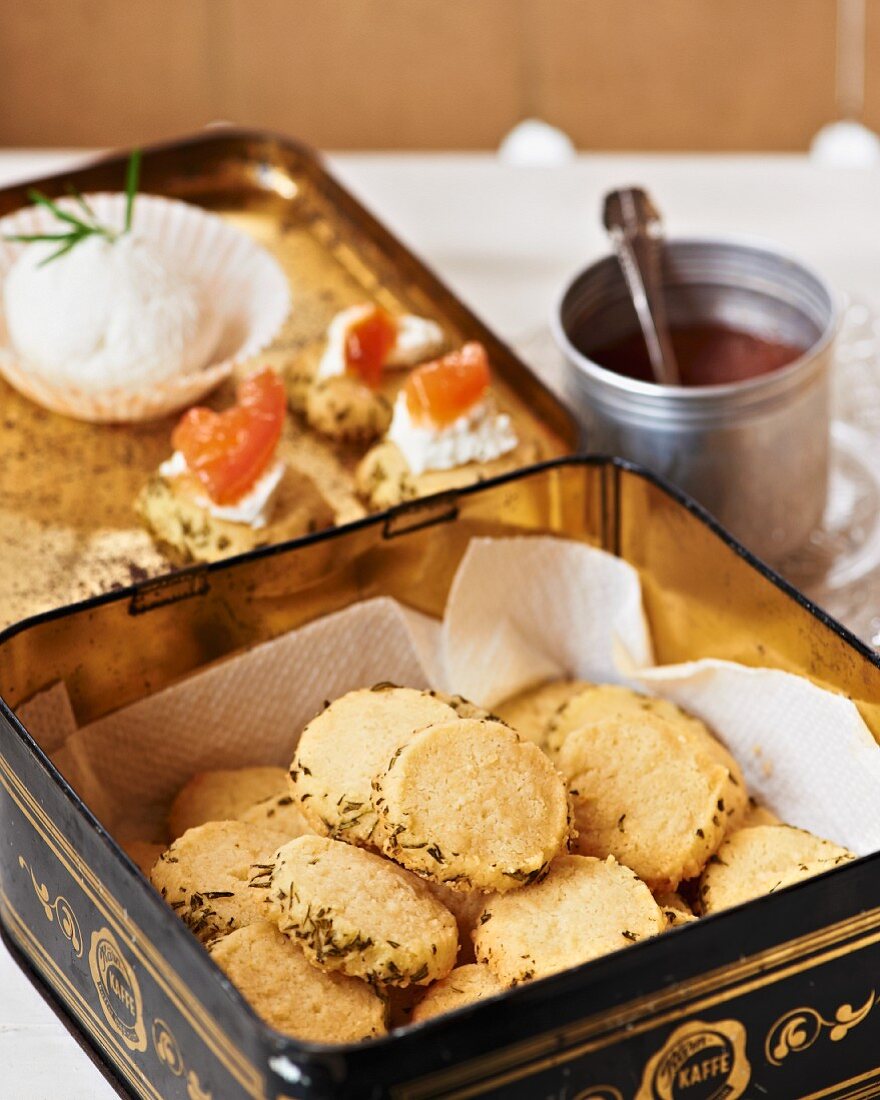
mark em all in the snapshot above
pixel 584 908
pixel 601 701
pixel 282 987
pixel 280 812
pixel 643 793
pixel 204 875
pixel 756 814
pixel 383 477
pixel 463 986
pixel 759 860
pixel 298 375
pixel 470 804
pixel 356 912
pixel 172 510
pixel 675 909
pixel 530 711
pixel 347 411
pixel 466 906
pixel 348 743
pixel 464 708
pixel 143 853
pixel 222 795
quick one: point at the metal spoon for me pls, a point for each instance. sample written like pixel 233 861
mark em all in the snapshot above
pixel 636 232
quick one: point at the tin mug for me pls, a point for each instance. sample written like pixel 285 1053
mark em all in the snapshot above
pixel 754 452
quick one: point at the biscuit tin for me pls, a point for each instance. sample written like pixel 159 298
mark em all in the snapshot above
pixel 67 489
pixel 776 998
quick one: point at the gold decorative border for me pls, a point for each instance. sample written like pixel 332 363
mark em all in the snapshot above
pixel 608 1028
pixel 169 1054
pixel 58 980
pixel 59 909
pixel 798 1029
pixel 234 1060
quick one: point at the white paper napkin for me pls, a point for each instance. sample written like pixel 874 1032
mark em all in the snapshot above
pixel 524 610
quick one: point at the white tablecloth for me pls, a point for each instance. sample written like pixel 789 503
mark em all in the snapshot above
pixel 505 239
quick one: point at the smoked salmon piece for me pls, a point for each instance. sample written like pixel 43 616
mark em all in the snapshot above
pixel 440 392
pixel 228 451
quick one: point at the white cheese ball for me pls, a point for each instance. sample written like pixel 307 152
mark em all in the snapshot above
pixel 106 315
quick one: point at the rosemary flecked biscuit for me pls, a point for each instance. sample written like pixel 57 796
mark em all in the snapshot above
pixel 531 710
pixel 760 860
pixel 675 909
pixel 353 911
pixel 645 794
pixel 599 701
pixel 464 708
pixel 469 804
pixel 584 908
pixel 756 814
pixel 383 477
pixel 463 986
pixel 280 812
pixel 173 510
pixel 346 411
pixel 204 875
pixel 347 744
pixel 291 995
pixel 222 795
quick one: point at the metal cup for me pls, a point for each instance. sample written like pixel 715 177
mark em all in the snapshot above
pixel 755 453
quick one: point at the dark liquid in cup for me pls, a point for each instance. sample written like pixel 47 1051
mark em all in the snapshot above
pixel 707 355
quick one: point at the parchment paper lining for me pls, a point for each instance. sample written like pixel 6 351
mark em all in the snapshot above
pixel 520 611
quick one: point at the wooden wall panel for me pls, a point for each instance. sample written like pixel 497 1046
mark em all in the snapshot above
pixel 103 72
pixel 425 74
pixel 684 74
pixel 376 73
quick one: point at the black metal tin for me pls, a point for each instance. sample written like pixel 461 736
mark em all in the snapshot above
pixel 775 998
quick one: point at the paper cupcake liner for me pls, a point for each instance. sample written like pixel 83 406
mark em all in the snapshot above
pixel 243 282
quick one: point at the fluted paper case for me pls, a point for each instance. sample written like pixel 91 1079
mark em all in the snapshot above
pixel 775 999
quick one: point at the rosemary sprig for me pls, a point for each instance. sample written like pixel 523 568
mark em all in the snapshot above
pixel 84 223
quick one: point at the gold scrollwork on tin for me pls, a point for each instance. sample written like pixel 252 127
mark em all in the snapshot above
pixel 600 1092
pixel 801 1027
pixel 59 909
pixel 168 1052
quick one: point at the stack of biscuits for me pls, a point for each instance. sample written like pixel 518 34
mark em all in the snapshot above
pixel 422 854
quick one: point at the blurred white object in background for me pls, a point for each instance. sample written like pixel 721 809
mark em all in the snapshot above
pixel 845 144
pixel 536 143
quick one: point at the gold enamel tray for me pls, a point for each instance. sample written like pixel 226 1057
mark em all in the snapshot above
pixel 67 527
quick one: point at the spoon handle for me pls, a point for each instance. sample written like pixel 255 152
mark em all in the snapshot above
pixel 636 234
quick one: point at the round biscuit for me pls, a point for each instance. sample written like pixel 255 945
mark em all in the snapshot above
pixel 291 995
pixel 469 804
pixel 531 710
pixel 463 986
pixel 584 908
pixel 600 701
pixel 280 812
pixel 383 477
pixel 756 814
pixel 643 793
pixel 762 859
pixel 675 909
pixel 346 745
pixel 346 411
pixel 354 911
pixel 464 708
pixel 204 875
pixel 222 795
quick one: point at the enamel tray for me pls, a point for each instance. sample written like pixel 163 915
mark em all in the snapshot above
pixel 67 525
